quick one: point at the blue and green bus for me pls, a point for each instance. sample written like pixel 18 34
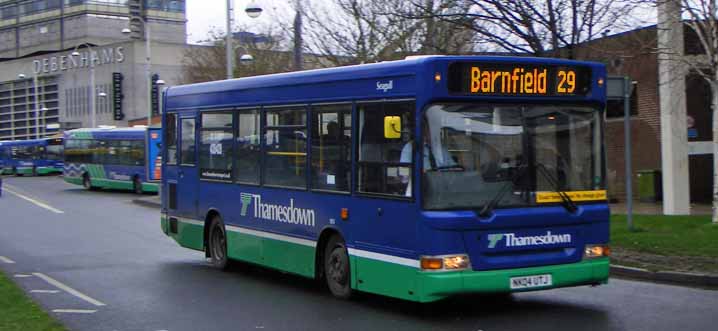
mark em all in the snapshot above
pixel 114 158
pixel 31 157
pixel 416 179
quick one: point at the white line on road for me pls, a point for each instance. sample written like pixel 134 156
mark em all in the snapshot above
pixel 6 260
pixel 75 311
pixel 68 289
pixel 44 291
pixel 22 276
pixel 36 202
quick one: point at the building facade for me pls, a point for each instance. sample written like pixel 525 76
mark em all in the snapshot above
pixel 634 54
pixel 50 51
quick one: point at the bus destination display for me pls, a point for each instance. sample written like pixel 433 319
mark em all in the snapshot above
pixel 518 80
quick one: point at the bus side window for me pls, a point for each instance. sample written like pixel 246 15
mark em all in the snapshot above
pixel 286 147
pixel 385 165
pixel 170 138
pixel 331 147
pixel 247 164
pixel 216 151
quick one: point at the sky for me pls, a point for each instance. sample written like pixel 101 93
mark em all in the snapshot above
pixel 204 16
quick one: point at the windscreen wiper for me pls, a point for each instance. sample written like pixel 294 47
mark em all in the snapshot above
pixel 566 200
pixel 486 211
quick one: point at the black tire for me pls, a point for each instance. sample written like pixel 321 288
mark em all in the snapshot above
pixel 337 272
pixel 137 185
pixel 217 244
pixel 86 183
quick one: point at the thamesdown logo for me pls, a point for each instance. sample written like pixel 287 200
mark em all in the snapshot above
pixel 246 200
pixel 494 239
pixel 278 213
pixel 515 241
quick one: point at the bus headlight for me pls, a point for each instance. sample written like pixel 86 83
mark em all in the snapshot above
pixel 445 262
pixel 594 251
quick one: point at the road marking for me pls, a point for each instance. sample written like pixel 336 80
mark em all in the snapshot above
pixel 68 289
pixel 45 291
pixel 36 202
pixel 74 311
pixel 6 260
pixel 22 276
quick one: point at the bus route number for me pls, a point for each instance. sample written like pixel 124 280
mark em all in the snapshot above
pixel 566 81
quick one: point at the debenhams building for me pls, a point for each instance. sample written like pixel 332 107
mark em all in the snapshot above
pixel 50 49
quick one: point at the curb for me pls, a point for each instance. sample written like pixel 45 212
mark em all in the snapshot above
pixel 669 277
pixel 147 203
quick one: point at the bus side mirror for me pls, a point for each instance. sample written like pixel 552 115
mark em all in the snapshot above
pixel 392 127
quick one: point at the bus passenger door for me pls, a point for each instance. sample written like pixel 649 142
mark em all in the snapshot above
pixel 187 173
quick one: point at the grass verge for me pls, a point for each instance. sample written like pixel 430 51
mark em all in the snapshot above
pixel 683 243
pixel 18 312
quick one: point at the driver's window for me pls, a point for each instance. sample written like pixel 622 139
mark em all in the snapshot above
pixel 385 165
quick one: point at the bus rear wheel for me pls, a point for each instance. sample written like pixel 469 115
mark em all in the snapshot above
pixel 217 244
pixel 86 183
pixel 137 185
pixel 336 268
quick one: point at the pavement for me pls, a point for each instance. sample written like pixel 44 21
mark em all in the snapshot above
pixel 97 261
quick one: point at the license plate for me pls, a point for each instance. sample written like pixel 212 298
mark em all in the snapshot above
pixel 530 281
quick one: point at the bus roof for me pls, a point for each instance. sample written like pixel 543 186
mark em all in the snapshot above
pixel 107 133
pixel 28 142
pixel 338 82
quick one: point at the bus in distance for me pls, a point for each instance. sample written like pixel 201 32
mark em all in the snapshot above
pixel 114 158
pixel 416 179
pixel 31 157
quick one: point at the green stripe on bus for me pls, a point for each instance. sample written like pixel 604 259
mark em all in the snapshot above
pixel 73 180
pixel 387 278
pixel 112 184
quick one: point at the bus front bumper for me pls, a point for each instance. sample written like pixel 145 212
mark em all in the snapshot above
pixel 435 285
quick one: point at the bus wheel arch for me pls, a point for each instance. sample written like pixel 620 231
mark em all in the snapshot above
pixel 332 246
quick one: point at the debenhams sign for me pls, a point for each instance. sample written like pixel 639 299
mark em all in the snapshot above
pixel 83 60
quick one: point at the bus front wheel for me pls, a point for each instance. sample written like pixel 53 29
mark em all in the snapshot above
pixel 336 268
pixel 217 244
pixel 137 185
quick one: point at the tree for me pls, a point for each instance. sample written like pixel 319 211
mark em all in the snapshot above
pixel 363 31
pixel 539 27
pixel 207 62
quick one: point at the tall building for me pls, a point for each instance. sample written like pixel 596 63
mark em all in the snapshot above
pixel 51 49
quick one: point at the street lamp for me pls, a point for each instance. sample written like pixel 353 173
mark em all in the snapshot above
pixel 160 89
pixel 253 10
pixel 148 74
pixel 44 119
pixel 37 102
pixel 246 59
pixel 93 92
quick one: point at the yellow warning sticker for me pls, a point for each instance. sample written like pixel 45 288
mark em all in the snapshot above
pixel 549 197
